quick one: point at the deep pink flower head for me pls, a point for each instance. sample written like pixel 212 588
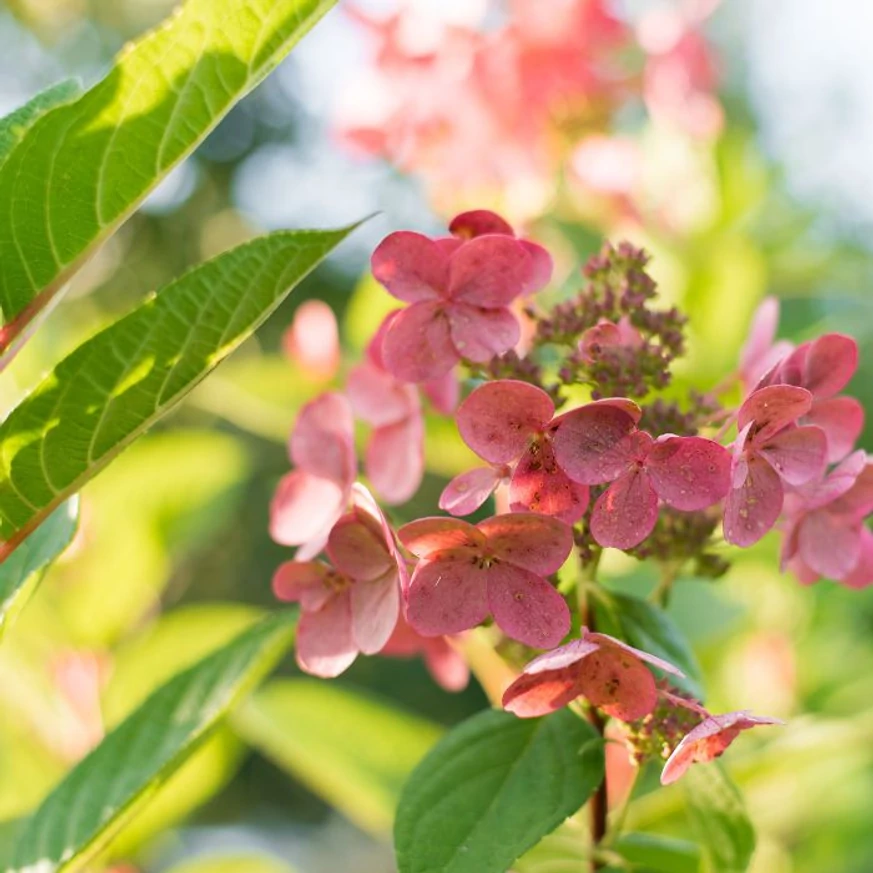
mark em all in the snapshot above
pixel 826 535
pixel 762 351
pixel 496 567
pixel 708 740
pixel 352 606
pixel 607 672
pixel 310 498
pixel 443 660
pixel 312 340
pixel 459 294
pixel 768 452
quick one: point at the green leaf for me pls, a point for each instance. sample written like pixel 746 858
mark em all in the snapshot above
pixel 719 818
pixel 353 750
pixel 492 788
pixel 658 854
pixel 21 573
pixel 81 169
pixel 106 788
pixel 120 382
pixel 649 628
pixel 16 124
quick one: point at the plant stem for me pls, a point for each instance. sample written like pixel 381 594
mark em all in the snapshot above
pixel 599 803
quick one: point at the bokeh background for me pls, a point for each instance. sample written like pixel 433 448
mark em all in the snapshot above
pixel 731 140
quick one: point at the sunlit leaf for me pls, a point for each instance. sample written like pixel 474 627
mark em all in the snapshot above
pixel 106 787
pixel 232 864
pixel 352 749
pixel 652 853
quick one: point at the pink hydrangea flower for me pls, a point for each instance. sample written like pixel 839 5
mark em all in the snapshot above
pixel 769 451
pixel 605 671
pixel 826 535
pixel 459 294
pixel 352 606
pixel 443 660
pixel 510 422
pixel 312 340
pixel 496 567
pixel 762 351
pixel 708 741
pixel 309 500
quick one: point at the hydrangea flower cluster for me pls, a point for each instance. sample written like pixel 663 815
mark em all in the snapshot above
pixel 579 454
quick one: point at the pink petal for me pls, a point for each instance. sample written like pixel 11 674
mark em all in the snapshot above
pixel 541 267
pixel 563 656
pixel 357 548
pixel 498 419
pixel 395 459
pixel 478 334
pixel 857 502
pixel 478 222
pixel 467 492
pixel 830 364
pixel 304 583
pixel 603 640
pixel 828 544
pixel 447 595
pixel 540 485
pixel 418 345
pixel 378 398
pixel 322 442
pixel 689 473
pixel 842 420
pixel 312 340
pixel 375 610
pixel 798 455
pixel 304 508
pixel 625 514
pixel 772 409
pixel 526 607
pixel 862 573
pixel 762 332
pixel 839 481
pixel 443 392
pixel 590 443
pixel 446 664
pixel 489 271
pixel 324 639
pixel 619 683
pixel 533 542
pixel 752 509
pixel 426 536
pixel 410 266
pixel 602 336
pixel 539 694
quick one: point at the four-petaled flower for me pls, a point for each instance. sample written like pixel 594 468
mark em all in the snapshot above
pixel 496 567
pixel 605 671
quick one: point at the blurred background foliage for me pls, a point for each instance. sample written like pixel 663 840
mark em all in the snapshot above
pixel 173 557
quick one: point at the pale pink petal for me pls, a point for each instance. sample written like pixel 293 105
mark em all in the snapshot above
pixel 446 664
pixel 773 408
pixel 606 640
pixel 591 443
pixel 322 442
pixel 563 656
pixel 305 583
pixel 365 504
pixel 830 364
pixel 308 550
pixel 762 332
pixel 498 419
pixel 798 455
pixel 324 639
pixel 425 536
pixel 526 607
pixel 862 573
pixel 840 480
pixel 539 485
pixel 531 696
pixel 541 267
pixel 625 514
pixel 443 392
pixel 356 547
pixel 689 473
pixel 489 271
pixel 410 266
pixel 828 544
pixel 447 595
pixel 395 459
pixel 791 370
pixel 478 334
pixel 752 509
pixel 378 398
pixel 312 340
pixel 842 420
pixel 857 502
pixel 467 492
pixel 534 542
pixel 478 222
pixel 304 508
pixel 375 610
pixel 417 346
pixel 374 347
pixel 619 683
pixel 764 370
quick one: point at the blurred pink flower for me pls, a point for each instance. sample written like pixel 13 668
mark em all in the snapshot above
pixel 708 741
pixel 309 500
pixel 607 672
pixel 79 676
pixel 312 341
pixel 762 352
pixel 496 567
pixel 443 660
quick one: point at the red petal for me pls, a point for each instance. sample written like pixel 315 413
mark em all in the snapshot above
pixel 539 694
pixel 534 542
pixel 830 363
pixel 752 509
pixel 798 454
pixel 689 473
pixel 411 266
pixel 619 683
pixel 447 595
pixel 772 409
pixel 625 514
pixel 540 485
pixel 478 222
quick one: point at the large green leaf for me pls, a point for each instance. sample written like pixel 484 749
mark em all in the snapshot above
pixel 21 573
pixel 492 788
pixel 106 788
pixel 304 726
pixel 652 853
pixel 719 818
pixel 121 381
pixel 82 168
